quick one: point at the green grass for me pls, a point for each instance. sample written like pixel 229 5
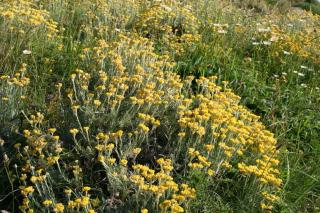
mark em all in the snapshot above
pixel 313 6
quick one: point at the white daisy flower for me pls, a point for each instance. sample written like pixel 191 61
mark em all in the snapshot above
pixel 26 52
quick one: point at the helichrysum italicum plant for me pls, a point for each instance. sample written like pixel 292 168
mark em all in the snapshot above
pixel 13 91
pixel 134 127
pixel 121 131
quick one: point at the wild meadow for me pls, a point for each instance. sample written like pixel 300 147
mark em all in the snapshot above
pixel 159 106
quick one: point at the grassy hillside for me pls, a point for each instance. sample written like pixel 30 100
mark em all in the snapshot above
pixel 159 106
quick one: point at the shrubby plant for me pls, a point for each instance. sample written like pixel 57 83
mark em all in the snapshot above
pixel 113 106
pixel 133 129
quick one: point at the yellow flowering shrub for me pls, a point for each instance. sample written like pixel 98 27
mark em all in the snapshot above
pixel 13 92
pixel 169 23
pixel 25 13
pixel 122 117
pixel 121 130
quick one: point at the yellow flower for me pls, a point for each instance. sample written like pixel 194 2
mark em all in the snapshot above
pixel 208 147
pixel 101 158
pixel 144 211
pixel 33 179
pixel 71 204
pixel 74 131
pixel 154 188
pixel 56 137
pixel 110 161
pixel 210 172
pixel 264 206
pixel 136 151
pixel 52 130
pixel 97 103
pixel 68 191
pixel 99 147
pixel 110 147
pixel 181 134
pixel 52 160
pixel 165 204
pixel 85 201
pixel 86 128
pixel 58 85
pixel 143 127
pixel 27 190
pixel 59 207
pixel 101 136
pixel 47 202
pixel 191 150
pixel 73 76
pixel 179 198
pixel 78 201
pixel 23 177
pixel 123 162
pixel 86 189
pixel 75 108
pixel 17 145
pixel 26 133
pixel 119 133
pixel 175 208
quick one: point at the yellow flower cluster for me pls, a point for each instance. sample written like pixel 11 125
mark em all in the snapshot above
pixel 197 160
pixel 214 116
pixel 18 78
pixel 25 13
pixel 162 185
pixel 145 120
pixel 16 83
pixel 170 22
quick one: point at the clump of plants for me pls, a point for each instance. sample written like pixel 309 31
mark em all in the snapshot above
pixel 126 106
pixel 127 133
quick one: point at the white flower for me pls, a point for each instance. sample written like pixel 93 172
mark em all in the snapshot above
pixel 26 52
pixel 166 8
pixel 266 42
pixel 286 52
pixel 274 38
pixel 303 67
pixel 222 31
pixel 216 25
pixel 248 59
pixel 300 74
pixel 264 30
